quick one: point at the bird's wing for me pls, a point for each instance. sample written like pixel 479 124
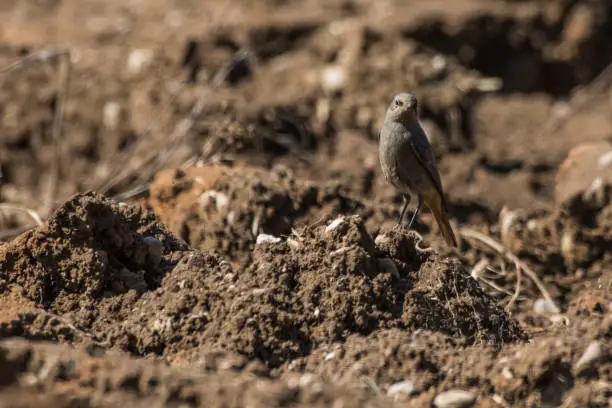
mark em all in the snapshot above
pixel 424 153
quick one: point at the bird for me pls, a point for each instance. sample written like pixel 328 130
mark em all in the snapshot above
pixel 408 163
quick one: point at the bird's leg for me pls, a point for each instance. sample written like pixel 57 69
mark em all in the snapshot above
pixel 416 212
pixel 404 208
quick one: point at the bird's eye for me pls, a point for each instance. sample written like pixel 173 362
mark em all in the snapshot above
pixel 398 102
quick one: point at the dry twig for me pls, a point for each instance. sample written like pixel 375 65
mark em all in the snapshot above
pixel 510 257
pixel 17 208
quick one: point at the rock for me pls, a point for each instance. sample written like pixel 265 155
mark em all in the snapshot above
pixel 334 225
pixel 545 307
pixel 265 238
pixel 139 60
pixel 402 387
pixel 591 355
pixel 293 244
pixel 454 399
pixel 333 79
pixel 111 115
pixel 156 249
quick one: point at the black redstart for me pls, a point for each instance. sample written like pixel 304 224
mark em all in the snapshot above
pixel 409 164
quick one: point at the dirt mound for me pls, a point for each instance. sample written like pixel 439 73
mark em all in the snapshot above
pixel 318 286
pixel 90 247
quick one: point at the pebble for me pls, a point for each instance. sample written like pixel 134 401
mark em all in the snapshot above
pixel 139 60
pixel 265 238
pixel 402 387
pixel 590 356
pixel 156 249
pixel 293 244
pixel 111 115
pixel 381 240
pixel 545 307
pixel 334 224
pixel 333 78
pixel 454 399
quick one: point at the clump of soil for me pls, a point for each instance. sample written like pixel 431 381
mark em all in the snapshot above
pixel 444 297
pixel 318 286
pixel 90 247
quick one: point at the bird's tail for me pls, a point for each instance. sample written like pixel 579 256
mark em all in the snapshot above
pixel 438 209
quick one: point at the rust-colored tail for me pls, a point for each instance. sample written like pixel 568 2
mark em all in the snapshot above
pixel 438 209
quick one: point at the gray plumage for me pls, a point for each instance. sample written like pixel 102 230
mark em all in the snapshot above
pixel 409 164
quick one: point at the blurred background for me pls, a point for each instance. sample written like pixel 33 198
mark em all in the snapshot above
pixel 143 86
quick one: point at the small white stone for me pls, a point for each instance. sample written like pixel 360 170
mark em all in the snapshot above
pixel 293 244
pixel 333 78
pixel 231 217
pixel 605 160
pixel 265 238
pixel 507 373
pixel 334 224
pixel 381 239
pixel 591 355
pixel 545 307
pixel 402 387
pixel 454 399
pixel 330 355
pixel 438 63
pixel 139 60
pixel 111 115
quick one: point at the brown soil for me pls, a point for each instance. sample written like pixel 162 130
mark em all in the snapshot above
pixel 254 261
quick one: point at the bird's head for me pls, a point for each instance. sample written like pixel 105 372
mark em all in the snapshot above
pixel 403 108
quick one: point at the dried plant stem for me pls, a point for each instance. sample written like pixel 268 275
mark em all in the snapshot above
pixel 510 257
pixel 517 289
pixel 17 208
